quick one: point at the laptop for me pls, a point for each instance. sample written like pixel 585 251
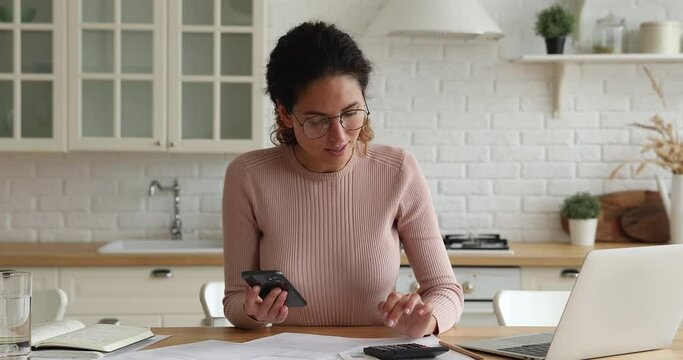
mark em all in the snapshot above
pixel 624 300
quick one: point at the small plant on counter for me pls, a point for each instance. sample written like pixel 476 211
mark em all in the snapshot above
pixel 581 205
pixel 554 24
pixel 583 210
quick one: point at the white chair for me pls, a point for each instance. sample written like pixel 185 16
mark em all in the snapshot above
pixel 48 305
pixel 211 296
pixel 529 308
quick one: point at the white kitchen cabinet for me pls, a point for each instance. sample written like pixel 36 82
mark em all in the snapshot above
pixel 137 295
pixel 32 75
pixel 158 75
pixel 548 278
pixel 42 277
pixel 216 75
pixel 117 75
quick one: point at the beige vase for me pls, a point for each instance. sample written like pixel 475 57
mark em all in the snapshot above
pixel 673 204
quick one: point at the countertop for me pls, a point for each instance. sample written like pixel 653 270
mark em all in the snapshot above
pixel 85 254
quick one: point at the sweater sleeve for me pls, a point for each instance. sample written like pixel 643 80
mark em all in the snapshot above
pixel 419 233
pixel 240 242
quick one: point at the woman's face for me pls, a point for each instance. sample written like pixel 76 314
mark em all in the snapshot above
pixel 329 96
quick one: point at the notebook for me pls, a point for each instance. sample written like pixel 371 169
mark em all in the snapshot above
pixel 624 300
pixel 70 333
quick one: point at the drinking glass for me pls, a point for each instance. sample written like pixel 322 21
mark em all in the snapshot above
pixel 15 314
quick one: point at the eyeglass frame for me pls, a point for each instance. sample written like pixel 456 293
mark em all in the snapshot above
pixel 340 116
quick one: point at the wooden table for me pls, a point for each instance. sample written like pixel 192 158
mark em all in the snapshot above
pixel 194 334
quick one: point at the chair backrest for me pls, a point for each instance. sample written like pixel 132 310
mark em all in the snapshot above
pixel 211 296
pixel 48 305
pixel 529 308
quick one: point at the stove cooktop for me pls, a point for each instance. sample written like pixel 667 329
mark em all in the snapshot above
pixel 475 242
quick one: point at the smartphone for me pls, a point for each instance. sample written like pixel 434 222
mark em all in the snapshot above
pixel 271 279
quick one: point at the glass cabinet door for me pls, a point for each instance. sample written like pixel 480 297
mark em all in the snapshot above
pixel 32 75
pixel 118 75
pixel 215 75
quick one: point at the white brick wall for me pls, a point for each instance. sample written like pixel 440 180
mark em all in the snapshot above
pixel 495 158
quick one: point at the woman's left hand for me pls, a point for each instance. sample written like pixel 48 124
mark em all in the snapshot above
pixel 407 314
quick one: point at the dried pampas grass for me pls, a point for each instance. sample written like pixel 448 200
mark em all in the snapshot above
pixel 666 145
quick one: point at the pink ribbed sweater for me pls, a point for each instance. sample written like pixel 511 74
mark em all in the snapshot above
pixel 336 236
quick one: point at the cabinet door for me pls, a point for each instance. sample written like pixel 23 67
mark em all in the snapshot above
pixel 117 75
pixel 554 279
pixel 32 75
pixel 42 277
pixel 137 294
pixel 216 75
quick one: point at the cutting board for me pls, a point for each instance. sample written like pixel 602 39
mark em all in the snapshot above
pixel 647 222
pixel 614 205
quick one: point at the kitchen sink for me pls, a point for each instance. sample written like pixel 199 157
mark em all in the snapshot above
pixel 161 246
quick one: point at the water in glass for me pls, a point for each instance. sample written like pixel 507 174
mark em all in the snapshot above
pixel 15 314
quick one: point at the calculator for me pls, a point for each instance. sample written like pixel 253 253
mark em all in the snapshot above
pixel 404 351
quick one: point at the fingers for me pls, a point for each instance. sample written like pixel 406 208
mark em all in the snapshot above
pixel 424 309
pixel 251 300
pixel 386 306
pixel 264 309
pixel 282 315
pixel 397 305
pixel 277 307
pixel 414 300
pixel 270 309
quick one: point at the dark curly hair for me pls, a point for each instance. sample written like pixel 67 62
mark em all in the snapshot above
pixel 308 52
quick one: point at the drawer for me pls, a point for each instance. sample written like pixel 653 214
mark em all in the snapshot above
pixel 543 278
pixel 42 277
pixel 482 283
pixel 479 283
pixel 136 290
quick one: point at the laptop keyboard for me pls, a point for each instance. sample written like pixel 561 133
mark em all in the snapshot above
pixel 532 350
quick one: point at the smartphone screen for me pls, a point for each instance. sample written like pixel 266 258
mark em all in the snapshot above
pixel 271 279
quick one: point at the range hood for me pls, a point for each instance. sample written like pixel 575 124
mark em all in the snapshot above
pixel 463 19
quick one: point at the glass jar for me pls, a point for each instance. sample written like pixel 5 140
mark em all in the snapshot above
pixel 608 35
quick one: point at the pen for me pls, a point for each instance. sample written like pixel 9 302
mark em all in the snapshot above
pixel 457 348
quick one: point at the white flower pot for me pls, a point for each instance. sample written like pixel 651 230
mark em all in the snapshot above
pixel 582 231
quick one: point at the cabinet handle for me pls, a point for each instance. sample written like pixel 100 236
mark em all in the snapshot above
pixel 569 273
pixel 172 144
pixel 109 321
pixel 158 143
pixel 161 273
pixel 467 287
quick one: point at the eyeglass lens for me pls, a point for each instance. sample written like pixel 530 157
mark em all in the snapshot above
pixel 350 120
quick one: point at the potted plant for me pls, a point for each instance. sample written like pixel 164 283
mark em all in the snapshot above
pixel 554 24
pixel 665 146
pixel 582 209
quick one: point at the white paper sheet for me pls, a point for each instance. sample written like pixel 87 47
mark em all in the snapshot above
pixel 203 350
pixel 316 346
pixel 285 346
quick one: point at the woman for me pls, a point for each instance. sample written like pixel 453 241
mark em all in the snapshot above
pixel 329 210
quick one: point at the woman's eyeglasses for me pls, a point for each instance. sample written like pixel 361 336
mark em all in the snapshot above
pixel 317 126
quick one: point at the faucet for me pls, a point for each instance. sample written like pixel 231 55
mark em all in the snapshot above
pixel 177 227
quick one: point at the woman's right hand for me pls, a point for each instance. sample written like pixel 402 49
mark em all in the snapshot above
pixel 271 309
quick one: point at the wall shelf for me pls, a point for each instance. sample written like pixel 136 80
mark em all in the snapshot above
pixel 562 60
